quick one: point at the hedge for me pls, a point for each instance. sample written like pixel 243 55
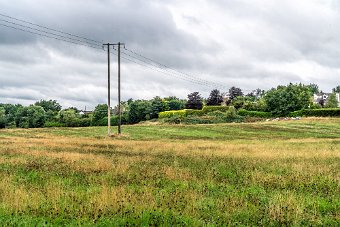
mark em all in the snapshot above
pixel 192 112
pixel 208 109
pixel 260 114
pixel 325 112
pixel 172 113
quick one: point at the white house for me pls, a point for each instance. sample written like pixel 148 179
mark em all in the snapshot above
pixel 323 98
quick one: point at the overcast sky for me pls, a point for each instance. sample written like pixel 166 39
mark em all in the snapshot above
pixel 248 44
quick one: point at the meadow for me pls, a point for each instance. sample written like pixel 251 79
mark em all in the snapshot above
pixel 264 173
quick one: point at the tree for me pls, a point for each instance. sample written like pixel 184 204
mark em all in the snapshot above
pixel 30 117
pixel 51 107
pixel 314 88
pixel 285 99
pixel 336 89
pixel 174 103
pixel 233 93
pixel 194 101
pixel 215 98
pixel 157 106
pixel 100 111
pixel 69 117
pixel 250 96
pixel 11 112
pixel 332 101
pixel 140 110
pixel 2 117
pixel 259 93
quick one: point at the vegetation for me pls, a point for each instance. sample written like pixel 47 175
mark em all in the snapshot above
pixel 285 99
pixel 336 89
pixel 195 101
pixel 215 98
pixel 256 105
pixel 247 113
pixel 271 173
pixel 332 102
pixel 326 112
pixel 233 93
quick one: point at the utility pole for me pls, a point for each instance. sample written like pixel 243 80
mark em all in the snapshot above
pixel 119 107
pixel 108 45
pixel 108 90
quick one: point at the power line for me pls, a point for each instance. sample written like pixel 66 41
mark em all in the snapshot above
pixel 146 64
pixel 50 33
pixel 179 72
pixel 51 29
pixel 164 72
pixel 47 36
pixel 83 41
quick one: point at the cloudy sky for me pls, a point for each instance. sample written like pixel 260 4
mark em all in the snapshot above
pixel 249 44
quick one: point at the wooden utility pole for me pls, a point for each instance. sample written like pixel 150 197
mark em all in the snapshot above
pixel 119 101
pixel 108 89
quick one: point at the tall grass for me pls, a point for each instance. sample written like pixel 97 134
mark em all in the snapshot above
pixel 282 173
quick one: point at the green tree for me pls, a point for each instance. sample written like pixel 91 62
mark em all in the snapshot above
pixel 11 112
pixel 157 105
pixel 215 98
pixel 285 99
pixel 140 110
pixel 2 117
pixel 100 111
pixel 195 101
pixel 259 93
pixel 52 105
pixel 174 103
pixel 69 117
pixel 314 88
pixel 332 101
pixel 336 89
pixel 30 117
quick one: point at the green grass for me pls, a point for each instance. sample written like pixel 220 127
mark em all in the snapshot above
pixel 269 173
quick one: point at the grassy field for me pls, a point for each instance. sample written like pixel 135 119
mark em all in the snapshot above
pixel 269 173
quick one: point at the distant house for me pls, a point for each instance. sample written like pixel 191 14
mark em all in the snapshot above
pixel 322 98
pixel 85 112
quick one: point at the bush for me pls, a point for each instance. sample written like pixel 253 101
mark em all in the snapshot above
pixel 256 114
pixel 208 109
pixel 209 115
pixel 114 121
pixel 176 119
pixel 326 112
pixel 214 117
pixel 231 113
pixel 84 122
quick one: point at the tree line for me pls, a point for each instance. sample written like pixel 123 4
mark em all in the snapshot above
pixel 279 101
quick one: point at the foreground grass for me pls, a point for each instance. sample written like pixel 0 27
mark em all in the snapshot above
pixel 273 173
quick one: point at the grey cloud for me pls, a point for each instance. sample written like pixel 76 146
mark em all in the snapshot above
pixel 253 35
